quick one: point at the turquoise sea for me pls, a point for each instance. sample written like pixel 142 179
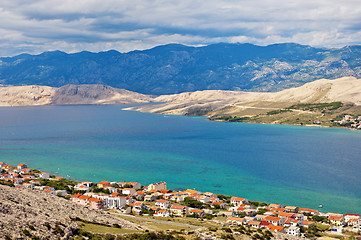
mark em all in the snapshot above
pixel 293 165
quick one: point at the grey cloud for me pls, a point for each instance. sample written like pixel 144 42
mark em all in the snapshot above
pixel 41 25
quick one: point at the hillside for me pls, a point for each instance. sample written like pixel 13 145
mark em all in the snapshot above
pixel 69 94
pixel 267 107
pixel 46 216
pixel 176 68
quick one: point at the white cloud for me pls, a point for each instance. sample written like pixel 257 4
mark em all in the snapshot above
pixel 94 25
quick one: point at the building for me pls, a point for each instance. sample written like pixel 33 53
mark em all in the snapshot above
pixel 164 204
pixel 103 184
pixel 236 201
pixel 234 221
pixel 276 221
pixel 157 186
pixel 294 231
pixel 179 210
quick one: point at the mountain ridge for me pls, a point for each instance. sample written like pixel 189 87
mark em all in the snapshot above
pixel 176 68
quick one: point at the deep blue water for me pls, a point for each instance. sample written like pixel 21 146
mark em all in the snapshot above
pixel 304 166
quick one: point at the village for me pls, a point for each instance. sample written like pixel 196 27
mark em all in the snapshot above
pixel 156 200
pixel 350 121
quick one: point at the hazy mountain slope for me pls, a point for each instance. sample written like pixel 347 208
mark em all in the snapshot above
pixel 176 68
pixel 69 94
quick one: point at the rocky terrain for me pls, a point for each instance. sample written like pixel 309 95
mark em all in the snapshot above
pixel 211 102
pixel 176 68
pixel 45 216
pixel 69 94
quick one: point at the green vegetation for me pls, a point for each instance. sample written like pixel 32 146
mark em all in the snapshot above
pixel 316 106
pixel 278 111
pixel 257 204
pixel 7 183
pixel 224 198
pixel 230 118
pixel 59 184
pixel 193 203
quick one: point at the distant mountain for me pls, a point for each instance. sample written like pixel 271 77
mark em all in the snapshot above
pixel 176 68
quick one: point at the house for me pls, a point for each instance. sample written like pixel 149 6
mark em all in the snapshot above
pixel 275 206
pixel 236 201
pixel 254 224
pixel 264 224
pixel 277 221
pixel 259 217
pixel 291 209
pixel 103 184
pixel 21 166
pixel 138 205
pixel 135 185
pixel 177 198
pixel 26 170
pixel 157 186
pixel 349 216
pixel 291 222
pixel 197 212
pixel 164 204
pixel 234 221
pixel 274 228
pixel 83 200
pixel 96 203
pixel 201 198
pixel 294 231
pixel 44 175
pixel 213 199
pixel 2 164
pixel 353 222
pixel 150 198
pixel 162 213
pixel 307 210
pixel 114 201
pixel 336 220
pixel 221 205
pixel 306 223
pixel 179 210
pixel 128 191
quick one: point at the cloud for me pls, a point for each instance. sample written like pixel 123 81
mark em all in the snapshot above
pixel 94 25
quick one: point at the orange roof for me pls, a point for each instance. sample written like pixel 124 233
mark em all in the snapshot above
pixel 196 211
pixel 154 208
pixel 353 220
pixel 95 200
pixel 237 199
pixel 177 207
pixel 115 194
pixel 162 201
pixel 305 222
pixel 47 191
pixel 20 164
pixel 275 228
pixel 83 197
pixel 76 195
pixel 254 223
pixel 273 219
pixel 104 182
pixel 335 218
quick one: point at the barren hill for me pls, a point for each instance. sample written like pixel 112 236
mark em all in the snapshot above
pixel 68 94
pixel 45 215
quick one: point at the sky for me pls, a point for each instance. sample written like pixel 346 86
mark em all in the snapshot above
pixel 35 26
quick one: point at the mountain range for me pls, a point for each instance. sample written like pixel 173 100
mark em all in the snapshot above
pixel 175 68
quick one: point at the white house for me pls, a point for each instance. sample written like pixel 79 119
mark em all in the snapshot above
pixel 162 213
pixel 128 191
pixel 164 204
pixel 236 201
pixel 294 231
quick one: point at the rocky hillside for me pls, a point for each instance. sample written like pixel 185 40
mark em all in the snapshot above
pixel 69 94
pixel 176 68
pixel 238 103
pixel 44 215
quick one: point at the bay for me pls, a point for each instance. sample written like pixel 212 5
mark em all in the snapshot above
pixel 293 165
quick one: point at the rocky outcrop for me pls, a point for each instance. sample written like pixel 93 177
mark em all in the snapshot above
pixel 46 216
pixel 69 94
